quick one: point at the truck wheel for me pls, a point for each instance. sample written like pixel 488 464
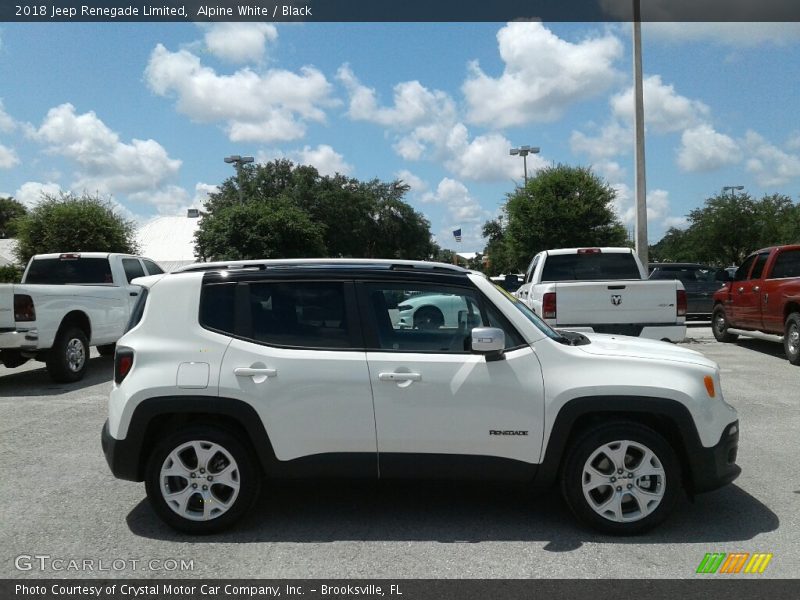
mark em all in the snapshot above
pixel 428 317
pixel 68 359
pixel 107 349
pixel 719 325
pixel 201 480
pixel 791 338
pixel 621 478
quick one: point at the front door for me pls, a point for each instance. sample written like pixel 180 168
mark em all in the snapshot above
pixel 749 295
pixel 441 410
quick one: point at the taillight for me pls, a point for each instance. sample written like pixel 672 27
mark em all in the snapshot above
pixel 23 308
pixel 680 302
pixel 549 305
pixel 123 362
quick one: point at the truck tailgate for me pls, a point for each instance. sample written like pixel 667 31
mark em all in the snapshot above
pixel 6 306
pixel 606 302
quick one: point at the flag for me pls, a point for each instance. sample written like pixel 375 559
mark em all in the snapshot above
pixel 457 234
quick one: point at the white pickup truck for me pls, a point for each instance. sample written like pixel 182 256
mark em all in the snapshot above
pixel 604 290
pixel 65 304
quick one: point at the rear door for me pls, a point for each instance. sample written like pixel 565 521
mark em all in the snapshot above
pixel 297 357
pixel 133 268
pixel 785 265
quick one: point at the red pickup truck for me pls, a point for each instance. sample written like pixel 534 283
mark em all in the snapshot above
pixel 764 296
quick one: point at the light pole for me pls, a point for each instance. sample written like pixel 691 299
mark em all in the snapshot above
pixel 523 151
pixel 642 249
pixel 733 189
pixel 238 161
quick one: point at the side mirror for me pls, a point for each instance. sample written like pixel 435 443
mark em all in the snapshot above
pixel 489 341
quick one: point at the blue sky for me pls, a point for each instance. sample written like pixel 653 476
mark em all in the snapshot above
pixel 145 113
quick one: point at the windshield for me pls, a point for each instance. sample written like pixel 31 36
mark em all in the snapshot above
pixel 530 315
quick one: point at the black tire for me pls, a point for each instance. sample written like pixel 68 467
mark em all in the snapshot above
pixel 248 478
pixel 719 326
pixel 791 338
pixel 68 359
pixel 428 317
pixel 107 349
pixel 591 443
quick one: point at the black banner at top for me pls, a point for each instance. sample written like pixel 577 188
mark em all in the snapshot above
pixel 399 10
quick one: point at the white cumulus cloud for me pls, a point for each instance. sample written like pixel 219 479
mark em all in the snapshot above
pixel 664 109
pixel 542 76
pixel 240 42
pixel 770 165
pixel 253 107
pixel 703 149
pixel 105 164
pixel 8 157
pixel 31 192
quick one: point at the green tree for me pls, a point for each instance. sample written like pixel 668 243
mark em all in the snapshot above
pixel 322 216
pixel 496 249
pixel 69 223
pixel 677 245
pixel 562 206
pixel 10 211
pixel 725 229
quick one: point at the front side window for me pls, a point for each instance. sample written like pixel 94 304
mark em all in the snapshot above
pixel 744 268
pixel 420 318
pixel 758 269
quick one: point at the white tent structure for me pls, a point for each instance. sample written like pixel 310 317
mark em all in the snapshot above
pixel 7 247
pixel 169 240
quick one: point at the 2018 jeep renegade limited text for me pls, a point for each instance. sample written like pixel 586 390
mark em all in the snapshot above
pixel 232 374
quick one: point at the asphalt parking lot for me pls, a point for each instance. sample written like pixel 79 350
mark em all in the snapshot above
pixel 59 499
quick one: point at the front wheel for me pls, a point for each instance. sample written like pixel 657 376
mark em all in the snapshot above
pixel 68 359
pixel 201 480
pixel 791 338
pixel 719 325
pixel 621 478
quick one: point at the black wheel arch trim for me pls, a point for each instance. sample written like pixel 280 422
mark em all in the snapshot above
pixel 697 461
pixel 127 457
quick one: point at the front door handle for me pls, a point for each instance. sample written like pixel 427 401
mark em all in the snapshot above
pixel 252 372
pixel 399 376
pixel 741 290
pixel 756 289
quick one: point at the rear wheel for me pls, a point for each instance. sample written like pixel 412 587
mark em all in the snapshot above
pixel 791 338
pixel 201 480
pixel 719 325
pixel 621 478
pixel 68 359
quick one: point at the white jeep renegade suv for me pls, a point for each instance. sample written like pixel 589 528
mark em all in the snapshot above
pixel 235 373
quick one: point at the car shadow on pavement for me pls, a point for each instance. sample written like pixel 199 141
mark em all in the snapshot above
pixel 36 382
pixel 458 513
pixel 763 346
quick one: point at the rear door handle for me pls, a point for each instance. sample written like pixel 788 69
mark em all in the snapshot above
pixel 741 290
pixel 756 289
pixel 399 376
pixel 251 372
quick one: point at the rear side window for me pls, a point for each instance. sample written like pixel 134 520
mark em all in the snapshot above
pixel 307 314
pixel 152 268
pixel 67 271
pixel 590 267
pixel 138 310
pixel 786 265
pixel 133 268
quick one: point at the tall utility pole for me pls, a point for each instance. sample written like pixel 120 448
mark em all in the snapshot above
pixel 523 151
pixel 238 161
pixel 638 100
pixel 732 189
